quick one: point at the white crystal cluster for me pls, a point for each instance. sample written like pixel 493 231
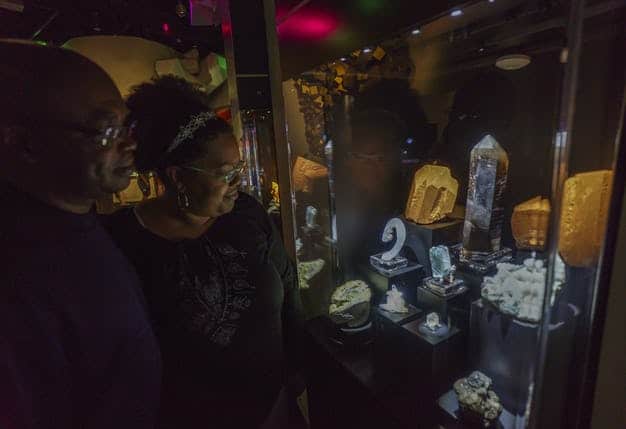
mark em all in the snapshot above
pixel 395 302
pixel 518 290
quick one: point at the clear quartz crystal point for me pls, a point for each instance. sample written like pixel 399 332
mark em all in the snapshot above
pixel 484 213
pixel 310 216
pixel 440 262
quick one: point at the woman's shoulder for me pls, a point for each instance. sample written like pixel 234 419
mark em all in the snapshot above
pixel 246 204
pixel 124 228
pixel 247 224
pixel 120 222
pixel 249 209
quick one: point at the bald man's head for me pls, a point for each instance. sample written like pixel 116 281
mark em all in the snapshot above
pixel 55 106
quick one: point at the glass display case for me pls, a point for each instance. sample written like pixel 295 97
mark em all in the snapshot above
pixel 451 186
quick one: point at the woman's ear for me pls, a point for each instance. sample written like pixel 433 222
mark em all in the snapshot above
pixel 174 176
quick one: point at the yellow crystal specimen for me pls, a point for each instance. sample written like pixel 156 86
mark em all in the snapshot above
pixel 433 194
pixel 529 223
pixel 583 217
pixel 275 193
pixel 305 172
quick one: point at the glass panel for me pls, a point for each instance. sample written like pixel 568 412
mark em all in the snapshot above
pixel 585 204
pixel 424 192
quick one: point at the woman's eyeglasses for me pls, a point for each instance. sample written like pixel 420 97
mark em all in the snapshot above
pixel 227 177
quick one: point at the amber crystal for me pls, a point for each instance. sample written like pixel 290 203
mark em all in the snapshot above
pixel 529 223
pixel 583 217
pixel 305 172
pixel 433 194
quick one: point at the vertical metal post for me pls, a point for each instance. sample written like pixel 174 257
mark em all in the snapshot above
pixel 562 144
pixel 283 158
pixel 255 85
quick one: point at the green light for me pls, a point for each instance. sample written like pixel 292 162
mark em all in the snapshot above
pixel 41 42
pixel 221 61
pixel 371 6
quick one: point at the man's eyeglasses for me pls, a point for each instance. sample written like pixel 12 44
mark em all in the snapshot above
pixel 228 177
pixel 103 137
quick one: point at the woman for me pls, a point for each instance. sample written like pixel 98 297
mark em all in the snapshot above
pixel 220 289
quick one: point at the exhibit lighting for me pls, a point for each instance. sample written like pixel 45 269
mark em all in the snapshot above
pixel 308 25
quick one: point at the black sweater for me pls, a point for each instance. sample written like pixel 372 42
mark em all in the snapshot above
pixel 223 306
pixel 76 346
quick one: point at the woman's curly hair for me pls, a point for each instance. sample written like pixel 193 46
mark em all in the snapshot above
pixel 160 108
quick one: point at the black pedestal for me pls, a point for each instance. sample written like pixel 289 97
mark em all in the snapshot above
pixel 420 238
pixel 504 349
pixel 455 309
pixel 399 318
pixel 444 356
pixel 405 280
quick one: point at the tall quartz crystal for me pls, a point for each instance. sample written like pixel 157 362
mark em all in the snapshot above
pixel 482 230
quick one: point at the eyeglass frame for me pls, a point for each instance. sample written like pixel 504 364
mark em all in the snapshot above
pixel 227 178
pixel 102 137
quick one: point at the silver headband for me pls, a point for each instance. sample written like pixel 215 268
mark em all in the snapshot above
pixel 186 132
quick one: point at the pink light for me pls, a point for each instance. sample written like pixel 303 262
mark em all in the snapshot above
pixel 165 27
pixel 308 25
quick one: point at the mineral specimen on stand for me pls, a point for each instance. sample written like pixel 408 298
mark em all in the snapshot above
pixel 518 290
pixel 584 216
pixel 350 304
pixel 440 264
pixel 476 397
pixel 310 216
pixel 433 194
pixel 484 213
pixel 305 172
pixel 530 223
pixel 307 270
pixel 433 322
pixel 395 302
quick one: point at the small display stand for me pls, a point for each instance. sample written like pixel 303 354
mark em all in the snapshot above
pixel 486 264
pixel 400 318
pixel 351 337
pixel 443 288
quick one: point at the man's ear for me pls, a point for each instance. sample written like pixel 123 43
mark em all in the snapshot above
pixel 14 140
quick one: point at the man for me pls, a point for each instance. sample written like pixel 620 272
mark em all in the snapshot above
pixel 76 348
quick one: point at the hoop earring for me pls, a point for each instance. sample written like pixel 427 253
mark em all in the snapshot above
pixel 183 200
